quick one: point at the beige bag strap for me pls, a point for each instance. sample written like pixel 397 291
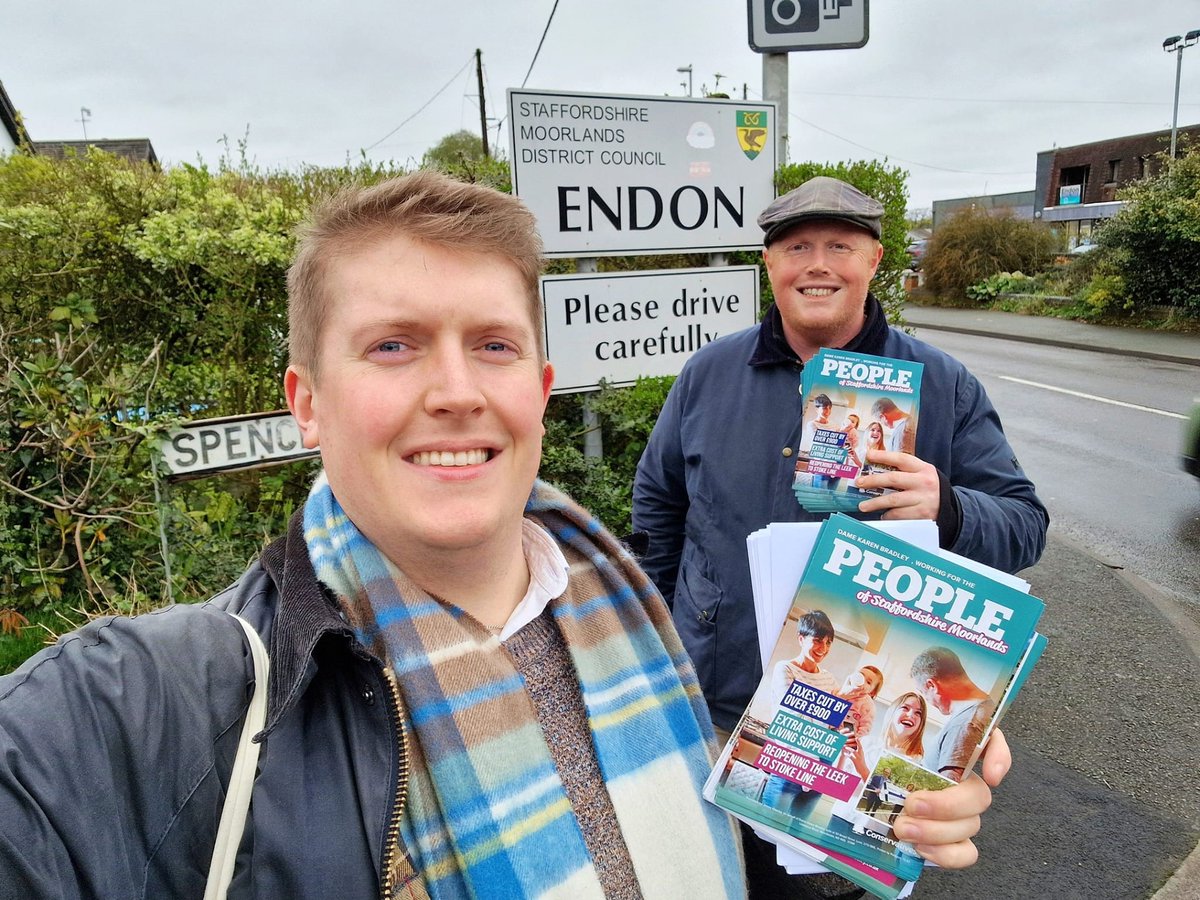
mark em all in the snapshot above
pixel 241 780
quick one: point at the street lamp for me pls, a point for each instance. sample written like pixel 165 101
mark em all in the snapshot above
pixel 688 69
pixel 1175 44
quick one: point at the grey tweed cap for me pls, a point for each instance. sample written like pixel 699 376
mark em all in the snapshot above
pixel 821 198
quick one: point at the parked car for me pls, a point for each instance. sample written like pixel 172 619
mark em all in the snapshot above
pixel 1191 441
pixel 916 253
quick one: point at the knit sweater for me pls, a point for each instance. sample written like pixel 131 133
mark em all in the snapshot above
pixel 539 653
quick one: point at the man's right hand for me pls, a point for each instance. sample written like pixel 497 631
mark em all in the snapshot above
pixel 915 486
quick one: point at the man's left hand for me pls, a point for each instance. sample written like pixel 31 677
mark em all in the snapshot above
pixel 940 824
pixel 916 490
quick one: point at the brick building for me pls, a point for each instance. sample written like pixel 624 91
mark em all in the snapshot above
pixel 1075 188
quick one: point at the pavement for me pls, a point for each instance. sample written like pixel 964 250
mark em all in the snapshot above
pixel 1086 812
pixel 1178 348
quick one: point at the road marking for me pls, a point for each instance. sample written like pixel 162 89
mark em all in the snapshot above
pixel 1050 387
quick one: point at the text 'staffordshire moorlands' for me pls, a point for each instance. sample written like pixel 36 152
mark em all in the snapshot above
pixel 890 669
pixel 852 402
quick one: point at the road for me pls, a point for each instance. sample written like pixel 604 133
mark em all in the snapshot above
pixel 1100 436
pixel 1101 803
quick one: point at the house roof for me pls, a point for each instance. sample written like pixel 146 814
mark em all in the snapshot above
pixel 134 149
pixel 9 119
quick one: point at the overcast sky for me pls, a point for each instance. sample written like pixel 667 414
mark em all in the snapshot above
pixel 961 93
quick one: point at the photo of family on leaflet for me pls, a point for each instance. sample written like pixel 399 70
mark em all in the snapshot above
pixel 848 721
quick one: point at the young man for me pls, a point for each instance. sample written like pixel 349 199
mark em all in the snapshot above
pixel 702 486
pixel 946 686
pixel 474 691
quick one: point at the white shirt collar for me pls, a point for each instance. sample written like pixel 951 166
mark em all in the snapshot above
pixel 547 577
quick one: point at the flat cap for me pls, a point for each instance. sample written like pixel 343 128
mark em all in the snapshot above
pixel 821 198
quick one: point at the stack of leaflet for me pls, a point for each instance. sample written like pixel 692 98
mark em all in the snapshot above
pixel 889 593
pixel 850 401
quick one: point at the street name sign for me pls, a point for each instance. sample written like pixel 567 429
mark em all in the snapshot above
pixel 618 327
pixel 610 175
pixel 781 26
pixel 237 442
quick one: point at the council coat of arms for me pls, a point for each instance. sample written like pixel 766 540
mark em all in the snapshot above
pixel 752 131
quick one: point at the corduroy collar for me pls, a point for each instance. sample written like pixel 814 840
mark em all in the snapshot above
pixel 304 615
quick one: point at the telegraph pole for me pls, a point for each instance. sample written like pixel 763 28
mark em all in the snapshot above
pixel 482 106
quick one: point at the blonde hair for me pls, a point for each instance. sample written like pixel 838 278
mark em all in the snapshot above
pixel 425 206
pixel 913 745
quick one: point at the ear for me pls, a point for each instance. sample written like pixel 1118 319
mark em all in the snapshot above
pixel 302 401
pixel 547 383
pixel 878 258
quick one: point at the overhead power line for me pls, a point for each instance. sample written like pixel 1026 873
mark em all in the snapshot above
pixel 884 153
pixel 542 41
pixel 985 99
pixel 470 59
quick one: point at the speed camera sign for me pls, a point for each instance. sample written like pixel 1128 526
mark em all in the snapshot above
pixel 780 26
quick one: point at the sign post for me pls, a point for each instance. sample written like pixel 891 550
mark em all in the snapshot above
pixel 205 446
pixel 618 327
pixel 624 175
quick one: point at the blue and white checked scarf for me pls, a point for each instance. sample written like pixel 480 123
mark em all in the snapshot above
pixel 487 813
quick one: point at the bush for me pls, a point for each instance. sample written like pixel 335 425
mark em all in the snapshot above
pixel 986 291
pixel 974 245
pixel 1153 243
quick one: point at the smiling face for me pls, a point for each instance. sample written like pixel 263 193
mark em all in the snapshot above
pixel 813 649
pixel 428 407
pixel 908 717
pixel 820 272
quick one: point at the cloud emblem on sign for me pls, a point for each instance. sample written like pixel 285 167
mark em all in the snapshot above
pixel 701 136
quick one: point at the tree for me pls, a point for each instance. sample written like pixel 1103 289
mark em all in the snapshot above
pixel 454 150
pixel 974 245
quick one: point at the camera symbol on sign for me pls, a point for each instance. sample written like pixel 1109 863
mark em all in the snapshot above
pixel 799 16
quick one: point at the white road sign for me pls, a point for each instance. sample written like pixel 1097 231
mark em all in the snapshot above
pixel 237 442
pixel 620 175
pixel 617 327
pixel 780 26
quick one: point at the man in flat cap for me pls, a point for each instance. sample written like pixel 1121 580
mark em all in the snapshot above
pixel 720 461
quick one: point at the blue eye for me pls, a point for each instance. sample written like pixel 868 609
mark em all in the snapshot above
pixel 391 346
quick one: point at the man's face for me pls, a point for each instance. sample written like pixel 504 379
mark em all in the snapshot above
pixel 934 696
pixel 820 272
pixel 428 409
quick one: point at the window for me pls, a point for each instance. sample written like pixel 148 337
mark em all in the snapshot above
pixel 1114 169
pixel 1072 185
pixel 1141 167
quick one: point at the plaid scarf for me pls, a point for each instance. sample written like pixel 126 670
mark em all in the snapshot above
pixel 487 813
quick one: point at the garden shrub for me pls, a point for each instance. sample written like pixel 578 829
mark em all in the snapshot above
pixel 974 245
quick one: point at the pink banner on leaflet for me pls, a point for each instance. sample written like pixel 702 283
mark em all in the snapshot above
pixel 804 770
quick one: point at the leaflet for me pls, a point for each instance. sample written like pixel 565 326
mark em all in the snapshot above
pixel 889 669
pixel 853 402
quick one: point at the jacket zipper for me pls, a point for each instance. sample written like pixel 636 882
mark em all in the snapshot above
pixel 395 706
